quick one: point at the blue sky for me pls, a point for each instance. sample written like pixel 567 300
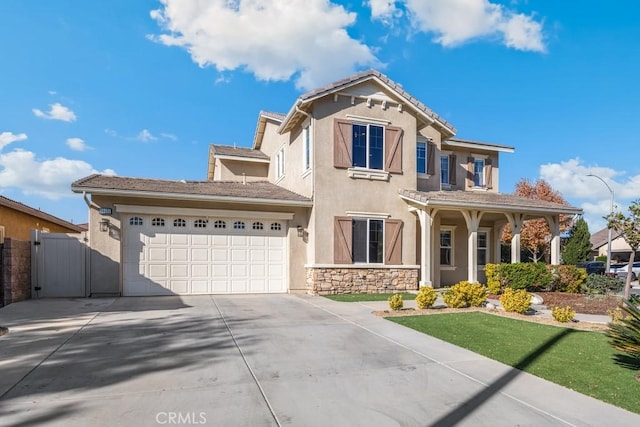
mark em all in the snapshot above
pixel 141 88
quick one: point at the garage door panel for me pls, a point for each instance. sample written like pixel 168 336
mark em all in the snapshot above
pixel 202 260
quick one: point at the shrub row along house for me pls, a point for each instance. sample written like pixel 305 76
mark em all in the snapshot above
pixel 360 187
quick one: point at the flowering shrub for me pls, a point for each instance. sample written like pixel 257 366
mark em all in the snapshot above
pixel 426 297
pixel 465 294
pixel 517 301
pixel 395 301
pixel 563 314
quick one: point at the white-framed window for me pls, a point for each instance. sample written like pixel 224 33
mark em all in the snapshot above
pixel 200 223
pixel 444 169
pixel 219 224
pixel 483 247
pixel 157 222
pixel 368 146
pixel 276 226
pixel 306 148
pixel 478 172
pixel 136 220
pixel 179 222
pixel 421 157
pixel 368 240
pixel 257 226
pixel 238 225
pixel 280 163
pixel 446 247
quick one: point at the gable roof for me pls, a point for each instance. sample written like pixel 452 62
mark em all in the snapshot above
pixel 468 143
pixel 228 152
pixel 255 192
pixel 496 202
pixel 21 207
pixel 295 115
pixel 263 117
pixel 601 237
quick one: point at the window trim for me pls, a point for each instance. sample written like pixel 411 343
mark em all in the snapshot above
pixel 487 231
pixel 306 149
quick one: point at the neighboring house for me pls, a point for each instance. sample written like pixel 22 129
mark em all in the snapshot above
pixel 620 250
pixel 359 188
pixel 17 220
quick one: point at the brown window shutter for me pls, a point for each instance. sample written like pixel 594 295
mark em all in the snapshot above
pixel 342 144
pixel 469 171
pixel 488 172
pixel 393 242
pixel 342 238
pixel 452 169
pixel 431 158
pixel 393 150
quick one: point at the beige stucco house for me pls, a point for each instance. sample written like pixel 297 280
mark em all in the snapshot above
pixel 360 187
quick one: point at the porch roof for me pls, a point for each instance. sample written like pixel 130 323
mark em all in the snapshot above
pixel 486 201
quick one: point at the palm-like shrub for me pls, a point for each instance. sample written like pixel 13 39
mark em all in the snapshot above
pixel 624 335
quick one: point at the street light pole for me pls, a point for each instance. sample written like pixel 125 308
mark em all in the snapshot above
pixel 611 212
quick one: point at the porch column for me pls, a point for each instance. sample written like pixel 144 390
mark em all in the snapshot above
pixel 426 225
pixel 554 226
pixel 515 221
pixel 472 218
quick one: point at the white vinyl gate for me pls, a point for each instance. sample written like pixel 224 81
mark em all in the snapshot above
pixel 165 255
pixel 58 264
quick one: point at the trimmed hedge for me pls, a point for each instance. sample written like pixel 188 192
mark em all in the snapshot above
pixel 465 294
pixel 534 277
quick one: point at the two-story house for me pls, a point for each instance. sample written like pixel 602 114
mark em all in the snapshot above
pixel 359 188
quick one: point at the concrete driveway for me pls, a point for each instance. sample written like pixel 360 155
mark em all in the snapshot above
pixel 257 361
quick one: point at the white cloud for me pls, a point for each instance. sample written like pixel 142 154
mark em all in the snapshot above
pixel 56 112
pixel 146 136
pixel 76 144
pixel 454 22
pixel 571 179
pixel 385 11
pixel 7 138
pixel 169 136
pixel 49 178
pixel 111 132
pixel 274 40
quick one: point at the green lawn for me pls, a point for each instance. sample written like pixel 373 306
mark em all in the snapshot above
pixel 367 297
pixel 580 360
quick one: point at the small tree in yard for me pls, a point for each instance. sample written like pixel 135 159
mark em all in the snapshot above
pixel 624 334
pixel 535 234
pixel 578 244
pixel 629 229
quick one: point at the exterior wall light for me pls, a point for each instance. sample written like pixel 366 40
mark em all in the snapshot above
pixel 104 224
pixel 300 231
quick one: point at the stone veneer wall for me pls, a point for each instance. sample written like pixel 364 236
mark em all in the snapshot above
pixel 16 271
pixel 342 280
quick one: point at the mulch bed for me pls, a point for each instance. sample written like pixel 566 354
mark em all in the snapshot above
pixel 581 303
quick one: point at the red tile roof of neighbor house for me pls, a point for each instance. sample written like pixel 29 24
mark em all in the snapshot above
pixel 487 201
pixel 12 204
pixel 203 190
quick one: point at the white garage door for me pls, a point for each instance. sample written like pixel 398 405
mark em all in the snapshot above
pixel 166 255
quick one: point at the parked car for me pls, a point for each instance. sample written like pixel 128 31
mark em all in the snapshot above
pixel 621 273
pixel 593 267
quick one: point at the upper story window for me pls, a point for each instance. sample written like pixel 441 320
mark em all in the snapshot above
pixel 421 157
pixel 280 163
pixel 368 146
pixel 479 172
pixel 375 146
pixel 157 222
pixel 135 220
pixel 448 170
pixel 179 222
pixel 306 148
